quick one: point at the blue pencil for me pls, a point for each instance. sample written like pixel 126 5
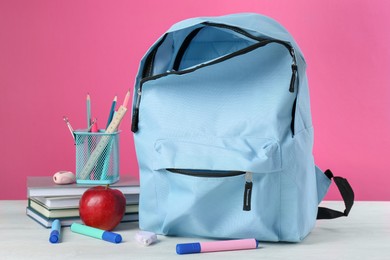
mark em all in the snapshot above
pixel 112 110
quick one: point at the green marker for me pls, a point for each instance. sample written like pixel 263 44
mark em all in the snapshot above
pixel 96 233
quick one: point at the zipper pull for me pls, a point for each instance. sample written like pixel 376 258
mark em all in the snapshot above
pixel 248 191
pixel 134 121
pixel 294 69
pixel 135 118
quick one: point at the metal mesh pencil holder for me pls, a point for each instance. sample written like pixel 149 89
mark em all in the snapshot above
pixel 97 157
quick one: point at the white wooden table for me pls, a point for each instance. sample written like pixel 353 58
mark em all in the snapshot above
pixel 365 234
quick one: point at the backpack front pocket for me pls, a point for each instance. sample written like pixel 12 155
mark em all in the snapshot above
pixel 206 187
pixel 220 154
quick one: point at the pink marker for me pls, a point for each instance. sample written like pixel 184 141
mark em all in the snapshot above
pixel 94 127
pixel 215 246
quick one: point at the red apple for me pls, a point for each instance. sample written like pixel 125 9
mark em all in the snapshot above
pixel 102 207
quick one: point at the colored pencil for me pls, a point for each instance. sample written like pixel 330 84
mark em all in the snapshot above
pixel 112 110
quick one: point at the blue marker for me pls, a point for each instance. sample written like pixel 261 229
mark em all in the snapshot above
pixel 96 233
pixel 55 232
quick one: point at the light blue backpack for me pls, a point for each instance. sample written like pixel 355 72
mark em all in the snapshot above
pixel 223 133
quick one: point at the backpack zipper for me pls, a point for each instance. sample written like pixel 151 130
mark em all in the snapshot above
pixel 135 117
pixel 294 67
pixel 183 48
pixel 205 173
pixel 223 174
pixel 150 59
pixel 262 42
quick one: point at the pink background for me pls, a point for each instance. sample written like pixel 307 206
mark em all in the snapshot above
pixel 52 53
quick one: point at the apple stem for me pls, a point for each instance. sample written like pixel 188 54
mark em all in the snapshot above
pixel 107 186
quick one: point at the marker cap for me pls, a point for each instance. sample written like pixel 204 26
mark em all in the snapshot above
pixel 54 236
pixel 190 248
pixel 112 237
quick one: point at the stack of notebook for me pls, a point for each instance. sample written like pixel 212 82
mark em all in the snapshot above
pixel 48 201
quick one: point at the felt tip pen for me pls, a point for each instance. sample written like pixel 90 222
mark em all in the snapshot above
pixel 96 233
pixel 216 246
pixel 55 232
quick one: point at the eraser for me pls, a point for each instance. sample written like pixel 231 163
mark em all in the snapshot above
pixel 64 177
pixel 145 238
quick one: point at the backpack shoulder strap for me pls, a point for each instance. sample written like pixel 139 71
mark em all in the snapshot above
pixel 347 194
